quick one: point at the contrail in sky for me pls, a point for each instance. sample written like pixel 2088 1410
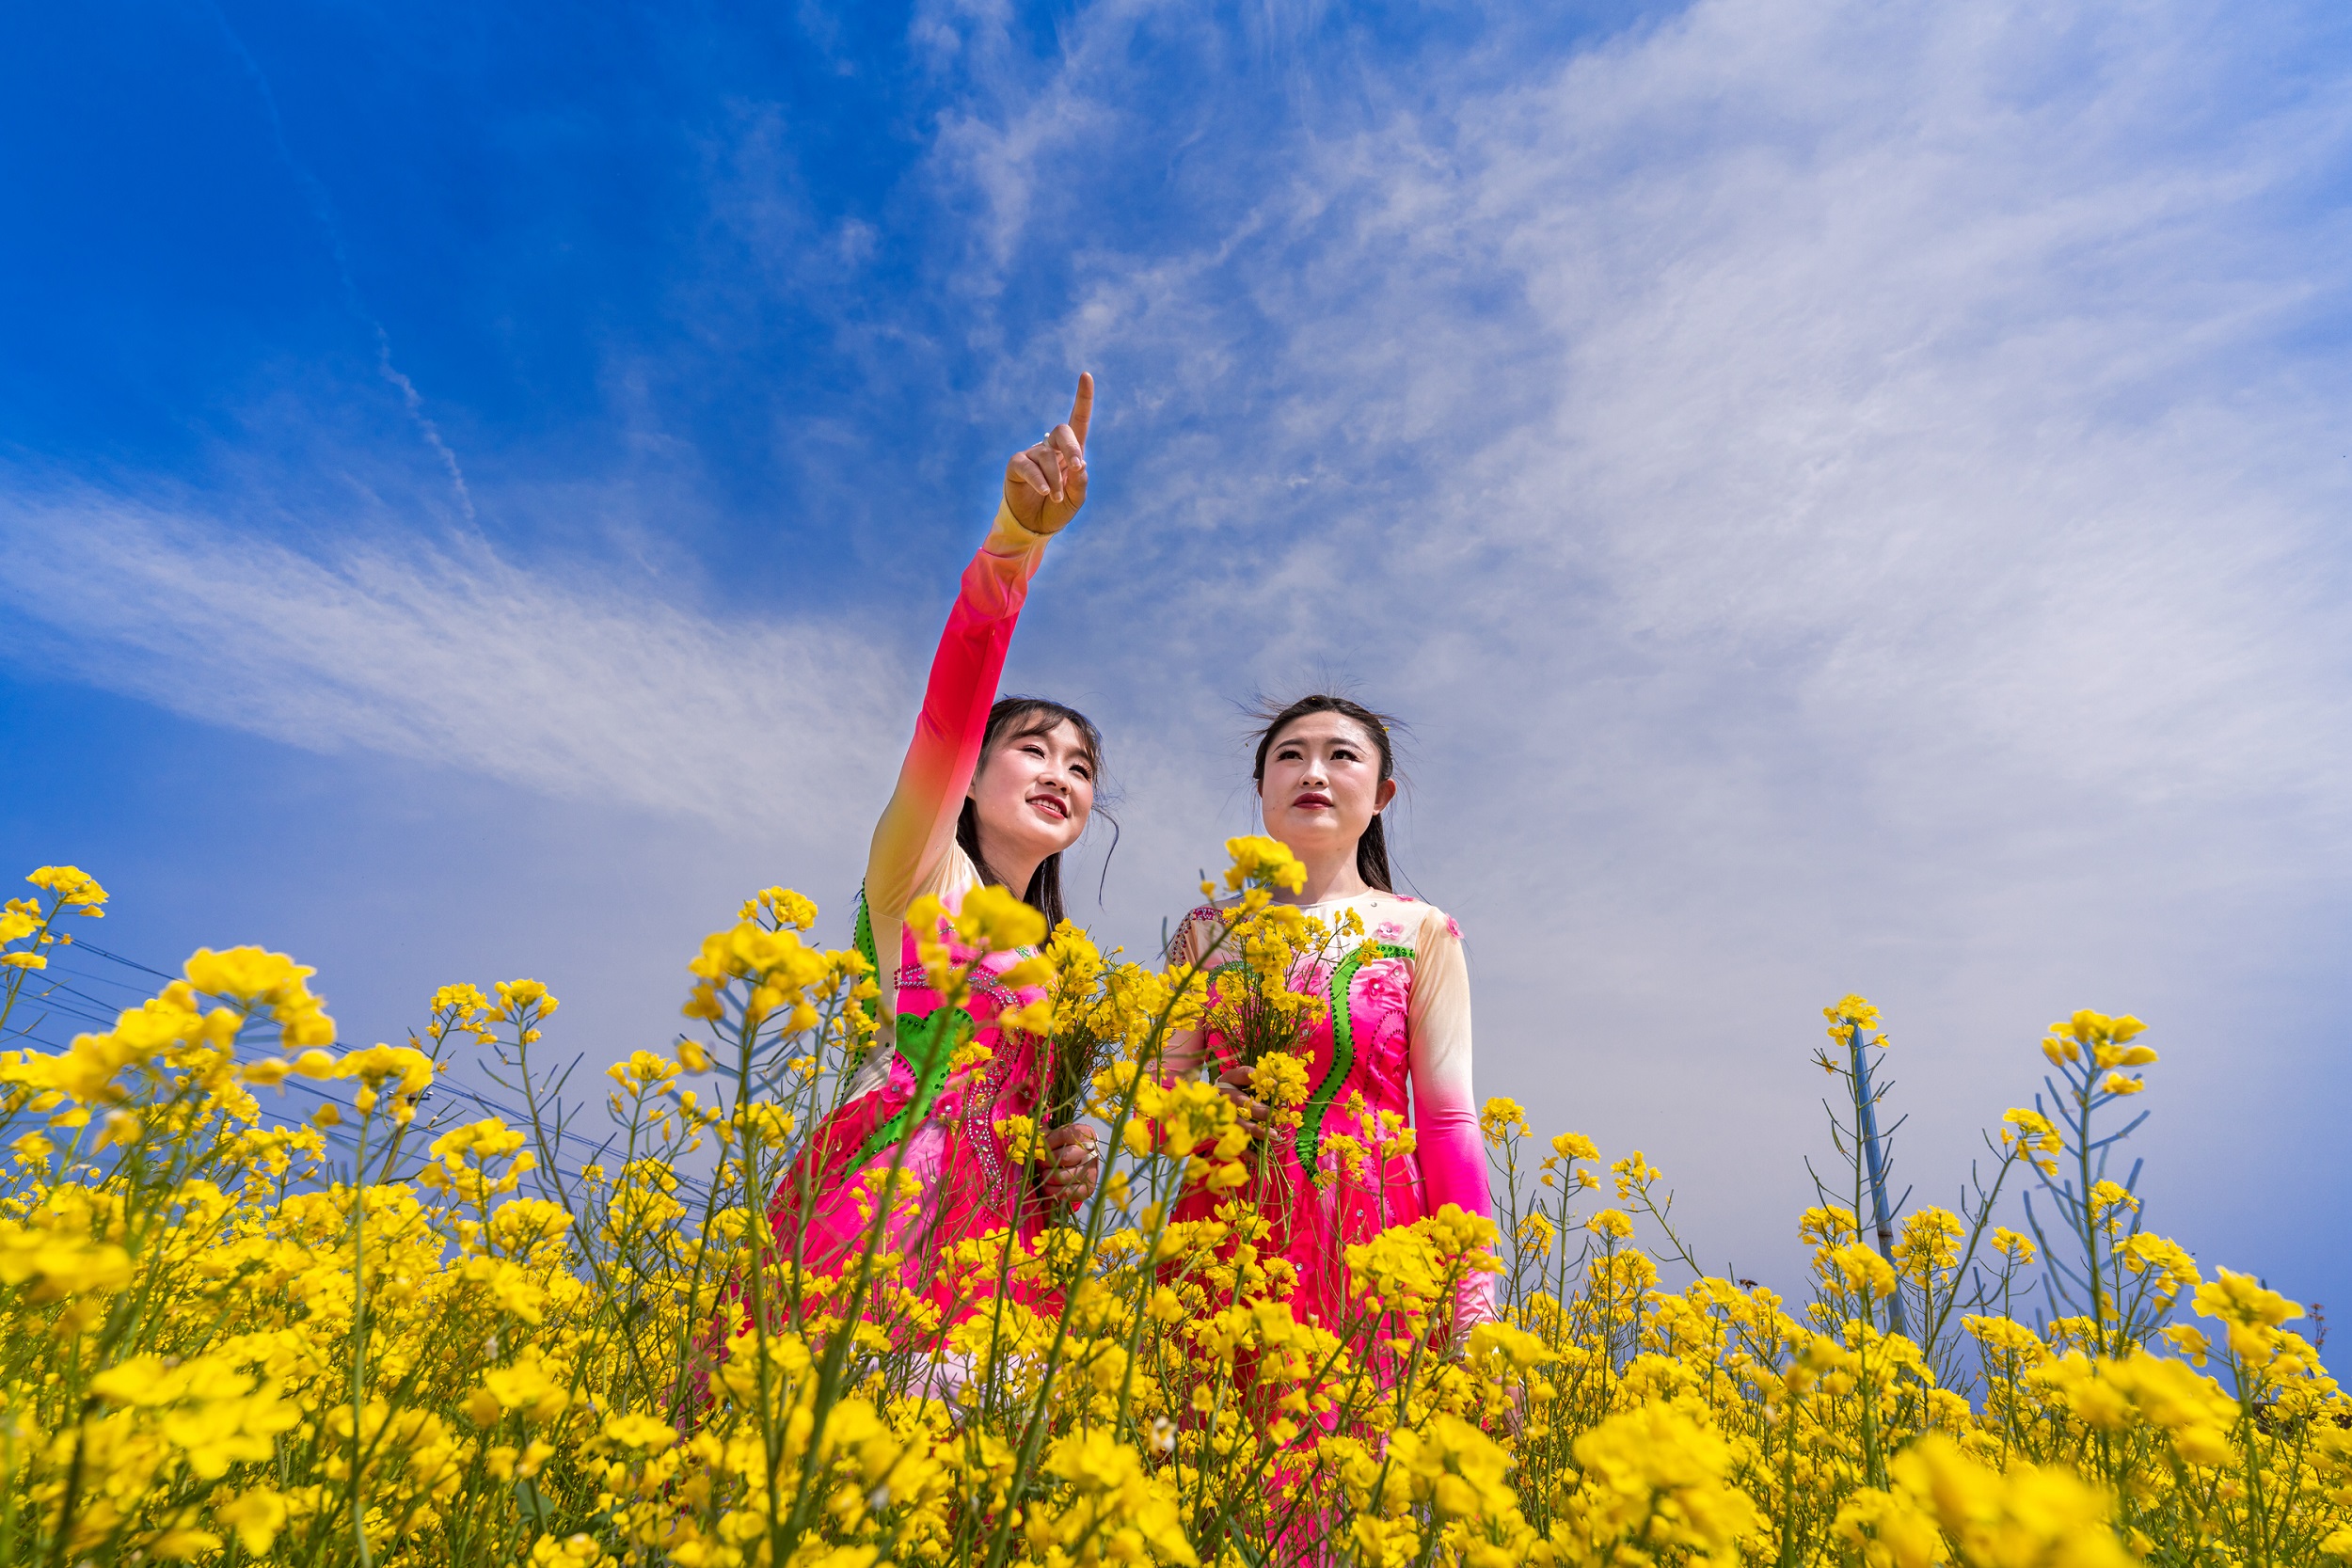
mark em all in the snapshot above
pixel 322 208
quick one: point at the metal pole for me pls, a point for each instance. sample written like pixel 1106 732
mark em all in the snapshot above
pixel 1874 1160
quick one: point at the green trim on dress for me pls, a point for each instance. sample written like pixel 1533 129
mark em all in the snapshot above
pixel 927 1044
pixel 1310 1140
pixel 861 933
pixel 915 1040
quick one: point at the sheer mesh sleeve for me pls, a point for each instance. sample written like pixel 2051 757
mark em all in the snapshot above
pixel 1185 1048
pixel 1446 1143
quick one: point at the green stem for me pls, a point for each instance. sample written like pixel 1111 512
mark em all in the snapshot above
pixel 360 1336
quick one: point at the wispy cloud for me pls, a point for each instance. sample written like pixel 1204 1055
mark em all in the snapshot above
pixel 1926 372
pixel 459 656
pixel 322 208
pixel 1849 493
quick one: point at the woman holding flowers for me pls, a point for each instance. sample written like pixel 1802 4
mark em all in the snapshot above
pixel 990 795
pixel 1342 1155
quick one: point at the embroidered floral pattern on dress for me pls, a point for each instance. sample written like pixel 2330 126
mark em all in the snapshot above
pixel 1180 949
pixel 980 1129
pixel 1355 1191
pixel 1382 993
pixel 975 1102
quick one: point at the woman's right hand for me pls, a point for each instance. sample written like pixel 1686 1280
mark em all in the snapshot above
pixel 1256 1117
pixel 1045 485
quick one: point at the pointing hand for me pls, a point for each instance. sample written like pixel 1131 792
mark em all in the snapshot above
pixel 1045 485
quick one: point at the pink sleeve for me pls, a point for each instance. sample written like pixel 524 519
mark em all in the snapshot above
pixel 919 824
pixel 1447 1141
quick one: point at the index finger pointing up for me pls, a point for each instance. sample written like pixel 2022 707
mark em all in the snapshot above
pixel 1082 407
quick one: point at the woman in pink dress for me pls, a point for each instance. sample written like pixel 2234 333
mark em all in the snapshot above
pixel 991 793
pixel 1398 1020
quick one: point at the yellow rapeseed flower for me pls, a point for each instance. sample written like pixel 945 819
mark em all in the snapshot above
pixel 1500 1118
pixel 74 888
pixel 1261 862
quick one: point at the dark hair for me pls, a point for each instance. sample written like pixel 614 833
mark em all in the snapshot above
pixel 1372 851
pixel 1009 720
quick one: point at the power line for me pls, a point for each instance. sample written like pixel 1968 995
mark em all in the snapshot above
pixel 582 1149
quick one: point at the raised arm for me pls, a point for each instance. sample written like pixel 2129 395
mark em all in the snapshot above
pixel 1446 1138
pixel 1044 486
pixel 920 822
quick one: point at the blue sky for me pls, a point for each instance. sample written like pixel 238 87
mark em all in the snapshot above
pixel 1849 497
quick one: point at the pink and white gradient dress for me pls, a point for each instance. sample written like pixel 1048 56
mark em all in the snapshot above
pixel 971 1181
pixel 1397 1038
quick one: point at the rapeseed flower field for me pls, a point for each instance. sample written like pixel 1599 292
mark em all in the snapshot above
pixel 388 1335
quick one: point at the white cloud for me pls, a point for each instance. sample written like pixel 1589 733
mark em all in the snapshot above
pixel 1845 491
pixel 1921 369
pixel 1981 395
pixel 456 656
pixel 1850 496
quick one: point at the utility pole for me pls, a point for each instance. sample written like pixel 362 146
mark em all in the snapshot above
pixel 1865 1105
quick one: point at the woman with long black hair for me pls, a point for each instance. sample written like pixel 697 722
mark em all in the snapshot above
pixel 1392 1049
pixel 993 791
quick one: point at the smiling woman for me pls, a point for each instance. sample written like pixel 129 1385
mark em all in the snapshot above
pixel 989 796
pixel 1031 798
